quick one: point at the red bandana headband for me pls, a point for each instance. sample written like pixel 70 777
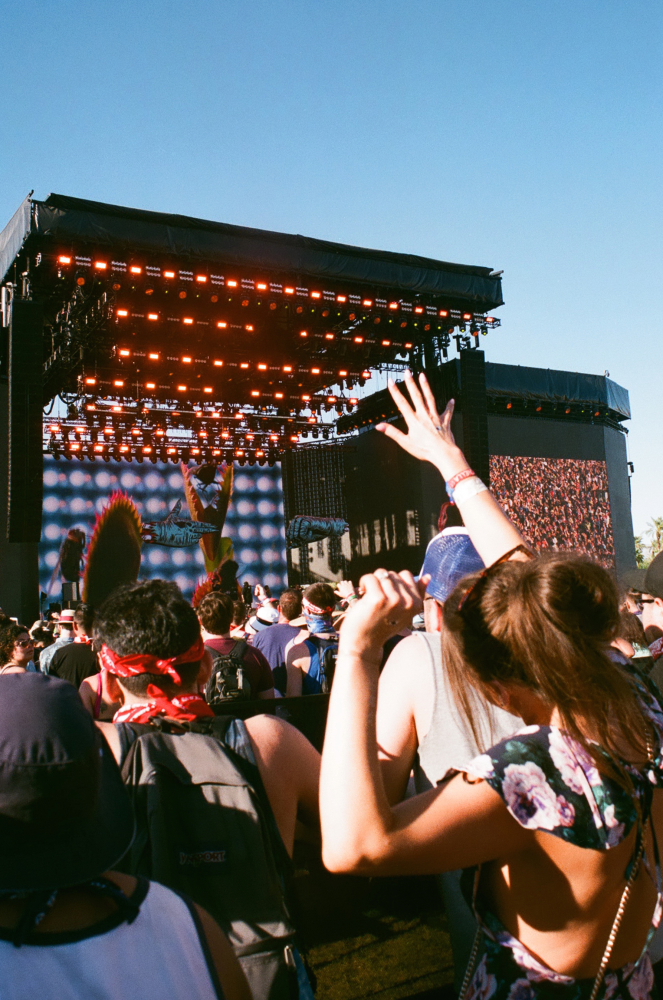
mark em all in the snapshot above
pixel 146 663
pixel 313 609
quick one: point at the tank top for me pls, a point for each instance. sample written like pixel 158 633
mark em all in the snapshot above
pixel 313 678
pixel 162 954
pixel 449 744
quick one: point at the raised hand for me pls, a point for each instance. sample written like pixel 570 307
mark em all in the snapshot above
pixel 345 589
pixel 429 436
pixel 388 604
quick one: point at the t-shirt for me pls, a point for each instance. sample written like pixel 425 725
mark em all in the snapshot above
pixel 74 662
pixel 257 668
pixel 272 644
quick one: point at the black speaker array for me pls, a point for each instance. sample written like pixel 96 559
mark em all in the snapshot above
pixel 26 466
pixel 475 412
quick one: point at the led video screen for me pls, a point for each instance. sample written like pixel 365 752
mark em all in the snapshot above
pixel 76 492
pixel 558 503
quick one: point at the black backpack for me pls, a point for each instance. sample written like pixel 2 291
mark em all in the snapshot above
pixel 327 652
pixel 229 680
pixel 205 827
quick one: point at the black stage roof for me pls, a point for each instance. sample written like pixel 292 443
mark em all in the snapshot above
pixel 62 219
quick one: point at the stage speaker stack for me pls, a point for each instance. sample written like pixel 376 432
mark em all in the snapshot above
pixel 475 412
pixel 25 459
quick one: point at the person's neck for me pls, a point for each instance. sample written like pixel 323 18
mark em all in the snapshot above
pixel 528 705
pixel 213 635
pixel 129 699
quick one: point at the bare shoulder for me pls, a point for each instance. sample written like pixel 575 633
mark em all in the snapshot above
pixel 297 650
pixel 112 738
pixel 272 735
pixel 406 683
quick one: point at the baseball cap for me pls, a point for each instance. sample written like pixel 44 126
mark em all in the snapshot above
pixel 634 579
pixel 653 583
pixel 449 558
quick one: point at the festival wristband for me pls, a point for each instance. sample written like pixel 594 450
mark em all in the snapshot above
pixel 458 478
pixel 468 488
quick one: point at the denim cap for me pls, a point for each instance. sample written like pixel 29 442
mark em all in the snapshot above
pixel 449 558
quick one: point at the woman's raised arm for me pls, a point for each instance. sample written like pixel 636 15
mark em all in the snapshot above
pixel 452 827
pixel 430 439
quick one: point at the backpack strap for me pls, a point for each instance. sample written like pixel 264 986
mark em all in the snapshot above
pixel 238 651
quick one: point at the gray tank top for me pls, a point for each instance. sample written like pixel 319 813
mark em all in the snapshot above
pixel 449 743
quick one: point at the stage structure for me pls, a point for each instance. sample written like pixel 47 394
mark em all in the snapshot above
pixel 552 444
pixel 170 339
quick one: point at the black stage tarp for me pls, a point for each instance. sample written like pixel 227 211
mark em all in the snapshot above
pixel 73 221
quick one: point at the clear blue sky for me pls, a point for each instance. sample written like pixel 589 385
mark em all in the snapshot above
pixel 521 135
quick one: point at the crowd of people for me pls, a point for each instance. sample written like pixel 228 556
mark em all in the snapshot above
pixel 557 503
pixel 496 723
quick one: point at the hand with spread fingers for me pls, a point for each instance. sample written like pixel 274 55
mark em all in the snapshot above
pixel 388 604
pixel 429 436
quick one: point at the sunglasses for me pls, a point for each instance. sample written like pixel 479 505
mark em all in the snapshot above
pixel 477 587
pixel 646 600
pixel 24 643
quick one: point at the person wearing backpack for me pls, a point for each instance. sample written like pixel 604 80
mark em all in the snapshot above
pixel 71 925
pixel 216 799
pixel 310 663
pixel 239 672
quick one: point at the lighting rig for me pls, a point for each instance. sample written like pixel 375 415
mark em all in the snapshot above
pixel 173 364
pixel 232 347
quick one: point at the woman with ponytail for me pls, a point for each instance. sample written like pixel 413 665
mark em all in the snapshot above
pixel 558 824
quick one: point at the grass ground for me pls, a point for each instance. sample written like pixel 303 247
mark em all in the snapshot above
pixel 380 938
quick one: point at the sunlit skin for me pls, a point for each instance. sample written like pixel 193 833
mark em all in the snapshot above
pixel 558 899
pixel 22 653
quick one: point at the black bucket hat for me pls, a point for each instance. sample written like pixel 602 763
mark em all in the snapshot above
pixel 65 816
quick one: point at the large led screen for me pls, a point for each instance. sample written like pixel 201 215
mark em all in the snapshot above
pixel 75 492
pixel 558 503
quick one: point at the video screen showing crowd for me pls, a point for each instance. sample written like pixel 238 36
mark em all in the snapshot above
pixel 151 735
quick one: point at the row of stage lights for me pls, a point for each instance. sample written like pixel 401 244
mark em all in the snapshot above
pixel 125 385
pixel 345 337
pixel 168 275
pixel 127 453
pixel 293 405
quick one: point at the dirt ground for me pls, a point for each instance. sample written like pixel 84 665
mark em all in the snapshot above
pixel 381 938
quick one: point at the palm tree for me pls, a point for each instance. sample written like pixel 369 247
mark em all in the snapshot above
pixel 655 532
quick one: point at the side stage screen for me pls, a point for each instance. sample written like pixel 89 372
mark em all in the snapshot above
pixel 558 503
pixel 75 492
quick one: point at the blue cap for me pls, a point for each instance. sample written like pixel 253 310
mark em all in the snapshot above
pixel 450 556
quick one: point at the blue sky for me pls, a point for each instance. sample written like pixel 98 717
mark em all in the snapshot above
pixel 524 136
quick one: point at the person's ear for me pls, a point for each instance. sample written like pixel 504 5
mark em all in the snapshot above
pixel 115 690
pixel 205 671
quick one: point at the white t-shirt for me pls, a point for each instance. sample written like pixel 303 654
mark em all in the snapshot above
pixel 159 956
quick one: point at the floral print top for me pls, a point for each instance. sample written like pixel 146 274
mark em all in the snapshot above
pixel 549 782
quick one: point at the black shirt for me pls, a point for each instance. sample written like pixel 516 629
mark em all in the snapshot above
pixel 74 662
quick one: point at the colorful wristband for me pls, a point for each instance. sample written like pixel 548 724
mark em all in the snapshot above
pixel 458 478
pixel 468 488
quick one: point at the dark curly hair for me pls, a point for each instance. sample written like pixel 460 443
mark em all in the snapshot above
pixel 8 636
pixel 149 617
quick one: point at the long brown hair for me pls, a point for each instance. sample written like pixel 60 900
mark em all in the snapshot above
pixel 546 624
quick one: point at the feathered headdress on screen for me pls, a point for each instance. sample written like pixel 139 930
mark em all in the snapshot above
pixel 115 549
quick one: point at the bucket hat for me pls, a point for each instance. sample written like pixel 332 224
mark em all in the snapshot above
pixel 65 816
pixel 450 556
pixel 265 616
